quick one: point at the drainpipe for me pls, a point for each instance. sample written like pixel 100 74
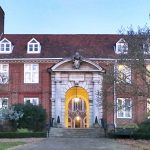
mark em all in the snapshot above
pixel 115 104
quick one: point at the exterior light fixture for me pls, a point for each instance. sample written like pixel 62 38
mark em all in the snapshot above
pixel 76 99
pixel 77 118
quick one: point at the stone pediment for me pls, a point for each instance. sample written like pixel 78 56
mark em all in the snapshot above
pixel 85 66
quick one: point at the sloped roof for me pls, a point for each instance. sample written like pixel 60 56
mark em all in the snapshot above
pixel 63 46
pixel 2 11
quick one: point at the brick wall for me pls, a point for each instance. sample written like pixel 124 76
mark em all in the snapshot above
pixel 17 90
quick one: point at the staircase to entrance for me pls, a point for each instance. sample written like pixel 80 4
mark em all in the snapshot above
pixel 77 132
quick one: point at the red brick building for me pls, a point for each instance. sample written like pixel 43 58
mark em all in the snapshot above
pixel 65 74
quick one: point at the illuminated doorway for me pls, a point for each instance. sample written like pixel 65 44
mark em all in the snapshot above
pixel 77 108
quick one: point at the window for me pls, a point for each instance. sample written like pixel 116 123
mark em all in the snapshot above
pixel 32 100
pixel 78 105
pixel 124 108
pixel 5 46
pixel 31 73
pixel 148 73
pixel 3 103
pixel 121 47
pixel 33 47
pixel 146 46
pixel 4 73
pixel 148 108
pixel 123 73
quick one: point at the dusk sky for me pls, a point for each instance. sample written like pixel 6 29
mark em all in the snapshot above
pixel 73 16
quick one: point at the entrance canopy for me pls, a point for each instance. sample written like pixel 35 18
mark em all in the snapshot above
pixel 68 76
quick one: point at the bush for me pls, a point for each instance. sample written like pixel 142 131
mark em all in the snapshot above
pixel 129 126
pixel 34 117
pixel 145 136
pixel 23 130
pixel 143 131
pixel 144 127
pixel 125 131
pixel 22 135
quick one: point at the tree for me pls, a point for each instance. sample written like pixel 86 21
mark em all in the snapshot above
pixel 134 60
pixel 34 117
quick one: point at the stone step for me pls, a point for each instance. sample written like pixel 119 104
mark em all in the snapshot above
pixel 78 132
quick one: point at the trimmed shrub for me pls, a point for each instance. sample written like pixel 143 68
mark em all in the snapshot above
pixel 23 130
pixel 125 131
pixel 143 131
pixel 144 127
pixel 22 135
pixel 145 136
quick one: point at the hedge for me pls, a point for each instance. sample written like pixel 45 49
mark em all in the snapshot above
pixel 22 135
pixel 122 133
pixel 145 136
pixel 129 133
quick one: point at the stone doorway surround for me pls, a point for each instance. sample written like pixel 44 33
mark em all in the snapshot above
pixel 88 75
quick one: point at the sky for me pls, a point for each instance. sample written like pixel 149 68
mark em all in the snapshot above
pixel 73 16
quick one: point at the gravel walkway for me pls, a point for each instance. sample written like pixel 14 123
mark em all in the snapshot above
pixel 73 144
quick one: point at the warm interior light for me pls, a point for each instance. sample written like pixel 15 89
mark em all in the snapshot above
pixel 77 118
pixel 120 67
pixel 76 99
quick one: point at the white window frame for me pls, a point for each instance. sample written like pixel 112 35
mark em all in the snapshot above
pixel 33 47
pixel 123 73
pixel 148 108
pixel 32 100
pixel 123 109
pixel 31 75
pixel 121 47
pixel 146 47
pixel 148 73
pixel 1 102
pixel 4 73
pixel 5 46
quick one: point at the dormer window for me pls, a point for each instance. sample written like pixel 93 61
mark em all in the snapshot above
pixel 34 47
pixel 5 46
pixel 146 46
pixel 121 47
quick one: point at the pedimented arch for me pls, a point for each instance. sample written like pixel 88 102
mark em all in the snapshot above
pixel 86 75
pixel 86 66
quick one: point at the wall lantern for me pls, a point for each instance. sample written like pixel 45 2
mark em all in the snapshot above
pixel 76 99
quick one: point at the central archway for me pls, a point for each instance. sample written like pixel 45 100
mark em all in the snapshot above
pixel 77 108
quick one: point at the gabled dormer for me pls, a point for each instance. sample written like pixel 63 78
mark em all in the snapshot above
pixel 33 47
pixel 121 47
pixel 146 46
pixel 6 46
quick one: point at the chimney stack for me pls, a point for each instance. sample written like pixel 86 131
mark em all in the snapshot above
pixel 2 16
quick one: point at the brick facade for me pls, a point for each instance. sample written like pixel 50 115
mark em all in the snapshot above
pixel 97 50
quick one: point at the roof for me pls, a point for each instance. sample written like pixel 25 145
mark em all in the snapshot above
pixel 63 45
pixel 2 11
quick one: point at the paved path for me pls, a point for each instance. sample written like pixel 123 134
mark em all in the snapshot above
pixel 76 144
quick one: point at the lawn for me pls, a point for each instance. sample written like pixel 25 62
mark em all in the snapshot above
pixel 6 145
pixel 140 144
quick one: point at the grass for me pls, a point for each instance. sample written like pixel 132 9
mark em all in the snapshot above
pixel 6 145
pixel 142 146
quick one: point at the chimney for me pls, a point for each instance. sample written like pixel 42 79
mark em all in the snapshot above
pixel 2 16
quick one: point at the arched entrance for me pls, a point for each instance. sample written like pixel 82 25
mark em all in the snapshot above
pixel 76 108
